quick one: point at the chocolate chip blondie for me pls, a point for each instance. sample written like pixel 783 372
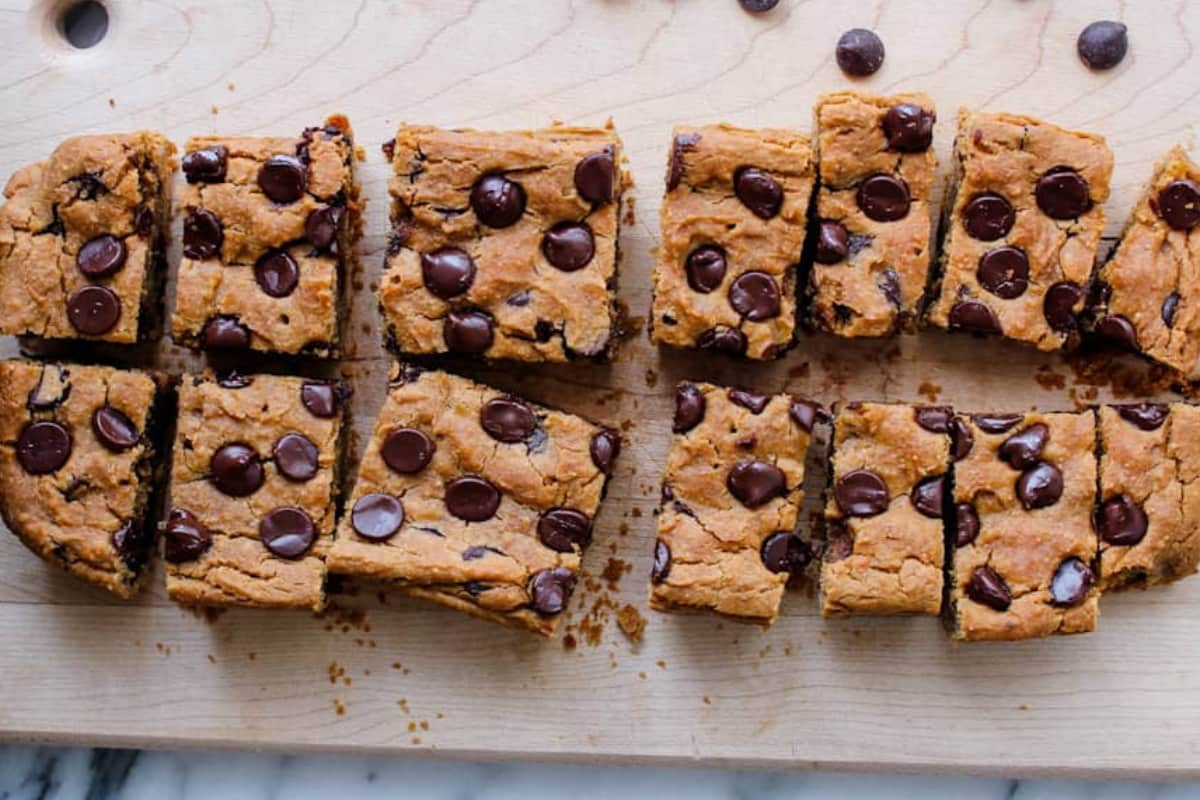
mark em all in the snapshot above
pixel 475 499
pixel 78 466
pixel 733 222
pixel 1025 549
pixel 875 168
pixel 268 234
pixel 1148 519
pixel 504 244
pixel 1023 218
pixel 83 239
pixel 254 485
pixel 885 510
pixel 731 495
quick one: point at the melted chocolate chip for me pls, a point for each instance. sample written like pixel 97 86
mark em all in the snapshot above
pixel 507 419
pixel 1120 520
pixel 927 495
pixel 226 333
pixel 1023 450
pixel 935 419
pixel 1179 204
pixel 758 191
pixel 321 227
pixel 288 532
pixel 203 234
pixel 447 272
pixel 52 389
pixel 497 201
pixel 974 316
pixel 234 380
pixel 755 296
pixel 756 483
pixel 908 128
pixel 1004 271
pixel 564 529
pixel 997 423
pixel 467 331
pixel 662 562
pixel 143 221
pixel 569 246
pixel 114 430
pixel 1071 583
pixel 594 176
pixel 296 457
pixel 236 470
pixel 861 493
pixel 884 198
pixel 1169 307
pixel 961 439
pixel 690 405
pixel 1147 416
pixel 749 399
pixel 207 165
pixel 1058 307
pixel 185 538
pixel 988 217
pixel 966 524
pixel 43 447
pixel 93 310
pixel 833 242
pixel 723 340
pixel 604 448
pixel 1103 44
pixel 1062 193
pixel 859 52
pixel 407 450
pixel 682 143
pixel 986 587
pixel 377 517
pixel 705 268
pixel 277 273
pixel 758 6
pixel 888 283
pixel 478 551
pixel 804 413
pixel 550 589
pixel 283 179
pixel 101 257
pixel 321 399
pixel 1040 486
pixel 785 552
pixel 472 498
pixel 132 542
pixel 1117 330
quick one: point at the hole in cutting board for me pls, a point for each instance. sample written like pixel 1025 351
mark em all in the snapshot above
pixel 84 24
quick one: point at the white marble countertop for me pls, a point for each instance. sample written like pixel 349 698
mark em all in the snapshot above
pixel 42 773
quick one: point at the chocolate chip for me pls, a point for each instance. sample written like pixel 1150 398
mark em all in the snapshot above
pixel 756 483
pixel 1102 44
pixel 143 221
pixel 472 498
pixel 662 562
pixel 564 529
pixel 185 538
pixel 569 246
pixel 861 493
pixel 974 316
pixel 785 552
pixel 1147 416
pixel 234 380
pixel 758 191
pixel 935 419
pixel 283 179
pixel 131 542
pixel 277 273
pixel 961 439
pixel 1062 193
pixel 507 419
pixel 705 268
pixel 550 589
pixel 93 310
pixel 1179 204
pixel 758 6
pixel 883 198
pixel 288 532
pixel 1169 307
pixel 377 516
pixel 236 470
pixel 988 217
pixel 986 587
pixel 1120 520
pixel 1023 450
pixel 927 495
pixel 321 227
pixel 497 201
pixel 207 165
pixel 447 272
pixel 478 551
pixel 749 399
pixel 1059 306
pixel 321 399
pixel 997 423
pixel 804 413
pixel 43 447
pixel 226 333
pixel 888 283
pixel 833 242
pixel 101 257
pixel 908 128
pixel 52 389
pixel 407 450
pixel 755 296
pixel 966 524
pixel 604 448
pixel 682 143
pixel 859 52
pixel 1004 271
pixel 1117 330
pixel 1071 583
pixel 1040 486
pixel 296 457
pixel 467 331
pixel 203 234
pixel 594 176
pixel 114 430
pixel 723 340
pixel 690 405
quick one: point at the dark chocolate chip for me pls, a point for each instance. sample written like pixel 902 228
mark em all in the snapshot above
pixel 114 430
pixel 749 399
pixel 203 234
pixel 101 257
pixel 690 405
pixel 569 246
pixel 1117 330
pixel 377 516
pixel 785 552
pixel 861 493
pixel 755 295
pixel 478 551
pixel 296 457
pixel 1023 450
pixel 131 542
pixel 550 589
pixel 497 201
pixel 974 316
pixel 321 227
pixel 1071 583
pixel 185 538
pixel 1179 204
pixel 1169 307
pixel 472 498
pixel 908 128
pixel 288 532
pixel 1059 306
pixel 988 217
pixel 594 176
pixel 52 389
pixel 236 470
pixel 966 524
pixel 758 191
pixel 321 399
pixel 756 483
pixel 447 272
pixel 1004 271
pixel 407 450
pixel 927 495
pixel 564 529
pixel 226 333
pixel 283 178
pixel 833 242
pixel 1103 44
pixel 884 198
pixel 93 310
pixel 961 439
pixel 705 268
pixel 888 283
pixel 1120 520
pixel 43 447
pixel 507 419
pixel 207 165
pixel 1040 486
pixel 723 340
pixel 997 423
pixel 662 562
pixel 935 419
pixel 682 143
pixel 143 221
pixel 1147 416
pixel 604 448
pixel 467 331
pixel 1062 193
pixel 277 273
pixel 859 52
pixel 758 6
pixel 234 380
pixel 804 413
pixel 988 588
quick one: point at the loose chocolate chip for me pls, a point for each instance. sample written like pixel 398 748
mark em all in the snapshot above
pixel 1040 486
pixel 1117 330
pixel 43 447
pixel 988 217
pixel 564 529
pixel 804 413
pixel 283 178
pixel 203 234
pixel 888 283
pixel 288 532
pixel 705 268
pixel 996 423
pixel 447 272
pixel 497 201
pixel 1004 271
pixel 236 470
pixel 883 198
pixel 785 552
pixel 723 340
pixel 1179 204
pixel 277 273
pixel 377 516
pixel 113 429
pixel 1147 416
pixel 296 457
pixel 185 538
pixel 758 191
pixel 1102 44
pixel 594 176
pixel 861 493
pixel 966 524
pixel 569 246
pixel 690 405
pixel 908 128
pixel 507 419
pixel 207 165
pixel 1071 583
pixel 758 6
pixel 1169 307
pixel 859 52
pixel 756 483
pixel 974 316
pixel 1023 450
pixel 1062 193
pixel 472 498
pixel 550 589
pixel 935 419
pixel 1059 306
pixel 755 296
pixel 143 221
pixel 662 562
pixel 321 399
pixel 321 226
pixel 961 439
pixel 101 257
pixel 679 145
pixel 833 242
pixel 927 495
pixel 226 333
pixel 988 588
pixel 1121 521
pixel 467 331
pixel 93 310
pixel 407 450
pixel 749 399
pixel 604 448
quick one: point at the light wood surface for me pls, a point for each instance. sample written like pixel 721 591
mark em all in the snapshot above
pixel 889 694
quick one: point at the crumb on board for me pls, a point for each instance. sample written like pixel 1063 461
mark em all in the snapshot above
pixel 631 622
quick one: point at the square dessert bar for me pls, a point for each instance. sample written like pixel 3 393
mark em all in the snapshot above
pixel 733 223
pixel 78 466
pixel 268 233
pixel 254 482
pixel 1148 519
pixel 504 244
pixel 475 499
pixel 1024 491
pixel 83 240
pixel 885 510
pixel 1022 222
pixel 1148 293
pixel 875 166
pixel 731 495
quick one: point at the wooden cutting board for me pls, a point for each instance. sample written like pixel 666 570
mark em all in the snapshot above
pixel 385 675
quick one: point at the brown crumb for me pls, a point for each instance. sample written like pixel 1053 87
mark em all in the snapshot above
pixel 412 726
pixel 424 724
pixel 339 707
pixel 707 700
pixel 632 623
pixel 637 512
pixel 929 390
pixel 403 703
pixel 1048 379
pixel 230 86
pixel 211 659
pixel 213 109
pixel 613 571
pixel 662 664
pixel 112 102
pixel 569 642
pixel 416 740
pixel 651 378
pixel 642 674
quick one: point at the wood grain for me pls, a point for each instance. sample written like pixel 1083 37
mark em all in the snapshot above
pixel 861 693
